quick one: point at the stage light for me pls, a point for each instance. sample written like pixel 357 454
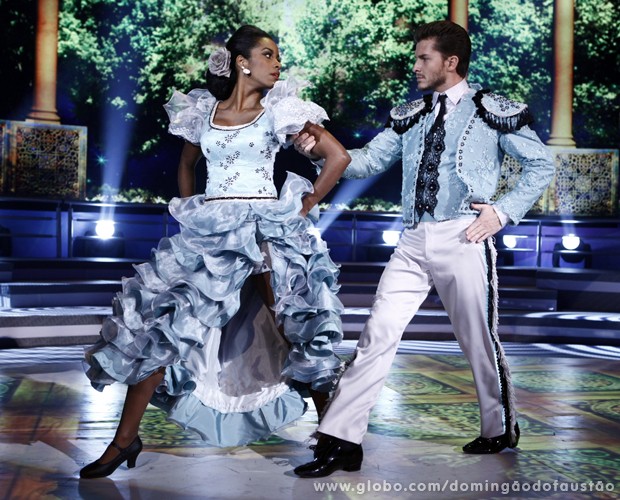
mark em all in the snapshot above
pixel 507 246
pixel 510 240
pixel 104 229
pixel 574 251
pixel 391 237
pixel 571 241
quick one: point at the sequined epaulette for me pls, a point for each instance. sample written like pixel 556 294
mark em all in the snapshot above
pixel 501 113
pixel 405 116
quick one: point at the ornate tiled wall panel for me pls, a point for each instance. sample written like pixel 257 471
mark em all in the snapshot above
pixel 585 183
pixel 44 160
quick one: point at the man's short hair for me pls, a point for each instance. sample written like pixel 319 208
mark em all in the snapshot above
pixel 450 39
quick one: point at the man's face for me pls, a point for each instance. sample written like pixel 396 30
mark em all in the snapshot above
pixel 430 67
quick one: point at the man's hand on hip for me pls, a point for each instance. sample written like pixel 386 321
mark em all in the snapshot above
pixel 486 224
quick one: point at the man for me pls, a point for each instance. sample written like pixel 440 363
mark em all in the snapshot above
pixel 451 149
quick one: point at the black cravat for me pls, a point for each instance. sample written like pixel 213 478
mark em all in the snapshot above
pixel 427 184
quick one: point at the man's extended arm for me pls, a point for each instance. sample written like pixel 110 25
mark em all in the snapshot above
pixel 372 159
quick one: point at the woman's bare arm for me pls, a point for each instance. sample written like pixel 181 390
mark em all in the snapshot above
pixel 336 161
pixel 186 174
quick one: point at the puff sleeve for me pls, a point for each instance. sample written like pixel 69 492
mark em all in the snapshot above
pixel 188 113
pixel 288 112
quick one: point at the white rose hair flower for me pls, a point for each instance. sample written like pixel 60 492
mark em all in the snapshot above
pixel 219 62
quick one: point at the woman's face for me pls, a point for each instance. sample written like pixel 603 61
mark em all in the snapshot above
pixel 264 63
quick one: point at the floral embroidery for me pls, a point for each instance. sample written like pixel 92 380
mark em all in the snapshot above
pixel 229 181
pixel 230 159
pixel 264 172
pixel 271 137
pixel 272 145
pixel 267 153
pixel 228 139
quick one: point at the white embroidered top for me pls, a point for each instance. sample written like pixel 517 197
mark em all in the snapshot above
pixel 240 158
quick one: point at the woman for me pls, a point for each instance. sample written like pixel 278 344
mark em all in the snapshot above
pixel 236 313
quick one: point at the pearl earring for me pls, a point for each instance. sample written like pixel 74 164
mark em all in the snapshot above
pixel 246 71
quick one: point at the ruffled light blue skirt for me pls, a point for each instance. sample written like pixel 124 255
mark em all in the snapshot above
pixel 229 373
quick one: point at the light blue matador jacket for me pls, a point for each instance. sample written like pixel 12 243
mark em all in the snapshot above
pixel 479 132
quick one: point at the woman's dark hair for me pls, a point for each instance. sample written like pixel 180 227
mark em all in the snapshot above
pixel 450 39
pixel 241 42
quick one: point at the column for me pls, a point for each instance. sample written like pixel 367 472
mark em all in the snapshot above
pixel 46 59
pixel 458 11
pixel 563 44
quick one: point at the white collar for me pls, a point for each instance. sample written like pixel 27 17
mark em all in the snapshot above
pixel 454 93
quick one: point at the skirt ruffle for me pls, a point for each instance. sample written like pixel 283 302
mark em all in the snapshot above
pixel 192 309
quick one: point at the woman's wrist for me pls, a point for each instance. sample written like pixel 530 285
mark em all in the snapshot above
pixel 308 201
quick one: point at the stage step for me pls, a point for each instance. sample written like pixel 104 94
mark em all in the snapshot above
pixel 100 293
pixel 54 326
pixel 50 326
pixel 58 294
pixel 509 276
pixel 514 326
pixel 514 298
pixel 59 302
pixel 583 289
pixel 50 270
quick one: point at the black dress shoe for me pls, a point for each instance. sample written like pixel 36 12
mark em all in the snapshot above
pixel 332 454
pixel 486 446
pixel 98 469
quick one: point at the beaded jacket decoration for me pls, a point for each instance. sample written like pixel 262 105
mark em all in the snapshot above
pixel 501 113
pixel 497 111
pixel 405 116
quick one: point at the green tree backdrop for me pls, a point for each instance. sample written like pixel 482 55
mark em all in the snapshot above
pixel 121 59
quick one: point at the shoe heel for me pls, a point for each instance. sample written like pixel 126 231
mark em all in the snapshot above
pixel 352 467
pixel 131 461
pixel 133 455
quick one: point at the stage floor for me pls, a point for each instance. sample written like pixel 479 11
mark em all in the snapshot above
pixel 53 423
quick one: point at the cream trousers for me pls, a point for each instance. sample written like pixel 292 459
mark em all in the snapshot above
pixel 464 275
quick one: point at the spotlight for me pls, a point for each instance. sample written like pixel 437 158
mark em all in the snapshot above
pixel 510 240
pixel 571 241
pixel 572 251
pixel 391 237
pixel 104 241
pixel 510 245
pixel 104 229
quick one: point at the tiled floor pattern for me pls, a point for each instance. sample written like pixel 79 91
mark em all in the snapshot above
pixel 52 423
